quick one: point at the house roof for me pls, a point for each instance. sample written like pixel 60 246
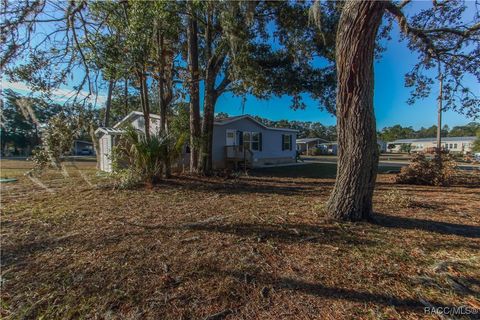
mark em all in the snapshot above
pixel 308 140
pixel 132 115
pixel 453 139
pixel 224 121
pixel 336 142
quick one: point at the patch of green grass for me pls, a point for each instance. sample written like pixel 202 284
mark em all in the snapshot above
pixel 311 170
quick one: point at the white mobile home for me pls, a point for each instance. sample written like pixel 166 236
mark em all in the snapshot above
pixel 243 138
pixel 237 141
pixel 461 145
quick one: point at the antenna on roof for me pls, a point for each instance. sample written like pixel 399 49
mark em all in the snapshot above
pixel 244 100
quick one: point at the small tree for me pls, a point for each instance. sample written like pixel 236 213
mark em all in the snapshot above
pixel 57 141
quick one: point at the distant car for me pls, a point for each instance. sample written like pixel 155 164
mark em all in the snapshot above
pixel 85 152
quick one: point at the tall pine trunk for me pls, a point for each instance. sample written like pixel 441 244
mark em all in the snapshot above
pixel 206 164
pixel 95 143
pixel 351 198
pixel 125 93
pixel 163 100
pixel 164 125
pixel 195 130
pixel 144 101
pixel 108 106
pixel 205 161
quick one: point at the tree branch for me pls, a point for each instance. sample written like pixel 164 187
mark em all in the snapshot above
pixel 424 35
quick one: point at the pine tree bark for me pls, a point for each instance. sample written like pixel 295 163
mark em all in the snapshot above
pixel 164 95
pixel 351 198
pixel 144 101
pixel 206 163
pixel 195 130
pixel 95 143
pixel 125 92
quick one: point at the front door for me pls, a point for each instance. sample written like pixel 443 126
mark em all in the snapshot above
pixel 231 137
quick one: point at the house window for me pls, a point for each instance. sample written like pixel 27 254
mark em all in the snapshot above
pixel 141 123
pixel 454 146
pixel 451 146
pixel 255 141
pixel 286 142
pixel 252 140
pixel 247 140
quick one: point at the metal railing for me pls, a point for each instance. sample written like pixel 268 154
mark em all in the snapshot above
pixel 238 153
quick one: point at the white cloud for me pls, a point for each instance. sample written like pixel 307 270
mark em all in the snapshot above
pixel 58 95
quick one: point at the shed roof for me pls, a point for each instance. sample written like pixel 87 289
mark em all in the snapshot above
pixel 132 115
pixel 111 131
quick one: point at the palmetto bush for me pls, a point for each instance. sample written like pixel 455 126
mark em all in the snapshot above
pixel 137 159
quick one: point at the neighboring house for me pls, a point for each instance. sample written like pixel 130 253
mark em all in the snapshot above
pixel 461 145
pixel 382 146
pixel 306 145
pixel 83 148
pixel 237 141
pixel 329 148
pixel 332 147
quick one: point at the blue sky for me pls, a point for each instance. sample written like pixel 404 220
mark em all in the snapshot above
pixel 390 95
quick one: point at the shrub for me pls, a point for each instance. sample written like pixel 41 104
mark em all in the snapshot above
pixel 316 151
pixel 424 171
pixel 137 159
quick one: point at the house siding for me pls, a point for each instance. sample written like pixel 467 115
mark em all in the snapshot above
pixel 271 152
pixel 139 123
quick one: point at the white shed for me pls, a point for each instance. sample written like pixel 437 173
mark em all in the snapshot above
pixel 107 136
pixel 106 141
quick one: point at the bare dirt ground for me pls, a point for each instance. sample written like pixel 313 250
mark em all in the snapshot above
pixel 255 247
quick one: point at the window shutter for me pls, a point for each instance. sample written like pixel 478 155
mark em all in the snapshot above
pixel 240 138
pixel 260 141
pixel 291 140
pixel 283 145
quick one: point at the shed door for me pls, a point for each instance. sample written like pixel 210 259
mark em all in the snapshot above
pixel 106 148
pixel 231 137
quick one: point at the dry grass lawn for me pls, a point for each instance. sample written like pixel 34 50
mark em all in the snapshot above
pixel 256 247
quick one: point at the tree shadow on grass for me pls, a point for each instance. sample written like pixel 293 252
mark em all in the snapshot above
pixel 323 291
pixel 286 233
pixel 388 221
pixel 241 186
